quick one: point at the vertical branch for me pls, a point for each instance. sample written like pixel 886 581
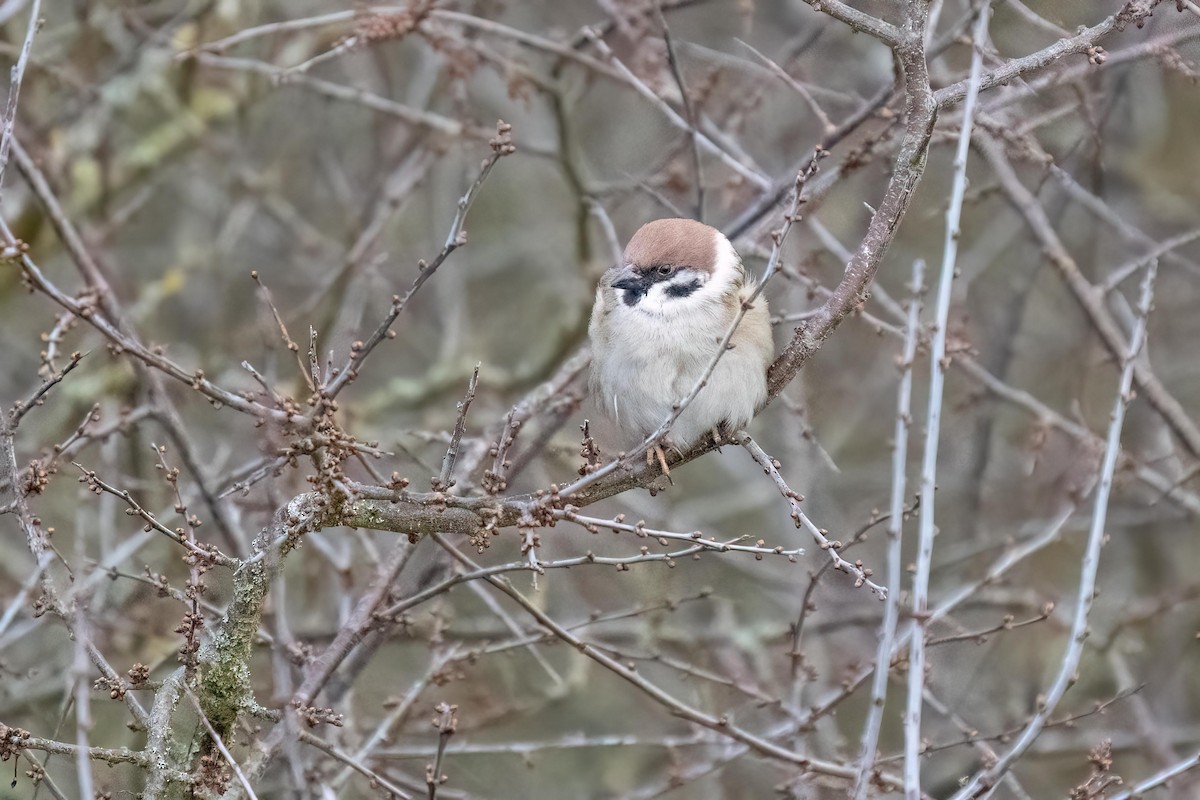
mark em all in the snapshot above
pixel 982 783
pixel 447 723
pixel 887 631
pixel 83 702
pixel 688 109
pixel 14 90
pixel 443 481
pixel 937 377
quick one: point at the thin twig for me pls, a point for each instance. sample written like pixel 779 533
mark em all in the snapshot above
pixel 456 237
pixel 593 524
pixel 353 764
pixel 891 613
pixel 216 738
pixel 861 575
pixel 749 172
pixel 14 87
pixel 444 480
pixel 446 722
pixel 688 110
pixel 39 395
pixel 982 782
pixel 722 724
pixel 210 553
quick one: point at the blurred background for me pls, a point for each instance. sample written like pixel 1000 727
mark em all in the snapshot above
pixel 324 147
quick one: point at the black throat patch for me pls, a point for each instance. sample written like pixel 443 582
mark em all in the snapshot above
pixel 633 296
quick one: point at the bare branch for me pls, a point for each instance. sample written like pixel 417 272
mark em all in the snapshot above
pixel 862 576
pixel 982 782
pixel 887 630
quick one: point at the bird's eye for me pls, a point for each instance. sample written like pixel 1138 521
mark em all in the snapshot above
pixel 665 270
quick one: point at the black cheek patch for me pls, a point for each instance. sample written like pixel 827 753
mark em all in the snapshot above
pixel 683 289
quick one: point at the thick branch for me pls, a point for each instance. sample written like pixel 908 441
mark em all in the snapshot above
pixel 907 172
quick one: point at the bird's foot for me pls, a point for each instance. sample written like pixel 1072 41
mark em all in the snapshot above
pixel 659 455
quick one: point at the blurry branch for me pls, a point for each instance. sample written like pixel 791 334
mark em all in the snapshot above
pixel 721 725
pixel 14 88
pixel 353 763
pixel 1159 778
pixel 1134 11
pixel 397 190
pixel 749 172
pixel 1036 19
pixel 1125 229
pixel 972 736
pixel 307 23
pixel 1158 252
pixel 797 87
pixel 933 420
pixel 688 110
pixel 275 28
pixel 105 318
pixel 502 146
pixel 857 20
pixel 982 782
pixel 437 123
pixel 569 742
pixel 1090 297
pixel 1148 49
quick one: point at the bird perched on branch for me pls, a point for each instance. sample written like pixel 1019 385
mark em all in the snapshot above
pixel 657 325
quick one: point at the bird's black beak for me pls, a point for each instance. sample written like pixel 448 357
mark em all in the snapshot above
pixel 627 278
pixel 634 284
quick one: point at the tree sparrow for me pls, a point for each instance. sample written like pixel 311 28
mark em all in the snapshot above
pixel 658 320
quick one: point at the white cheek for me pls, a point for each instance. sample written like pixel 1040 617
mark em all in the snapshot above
pixel 656 300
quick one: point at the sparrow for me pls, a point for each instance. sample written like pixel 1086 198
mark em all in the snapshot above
pixel 659 318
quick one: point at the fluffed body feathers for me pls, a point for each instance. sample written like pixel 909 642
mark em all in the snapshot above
pixel 657 323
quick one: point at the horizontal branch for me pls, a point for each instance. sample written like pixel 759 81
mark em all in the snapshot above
pixel 1133 11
